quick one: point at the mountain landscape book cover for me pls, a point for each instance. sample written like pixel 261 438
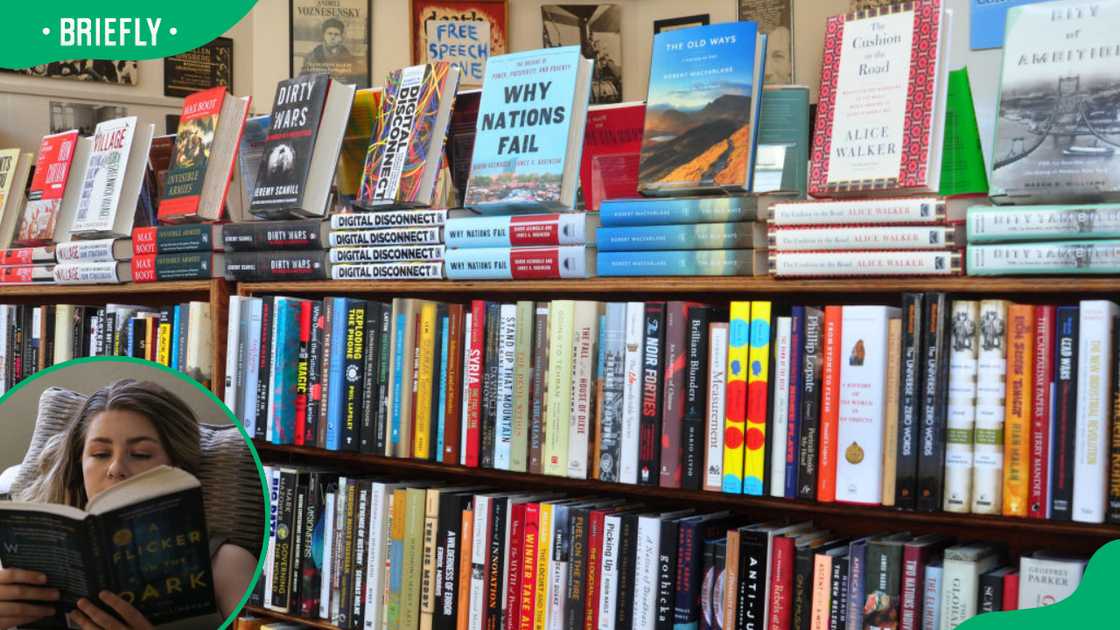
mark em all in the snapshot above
pixel 286 159
pixel 702 109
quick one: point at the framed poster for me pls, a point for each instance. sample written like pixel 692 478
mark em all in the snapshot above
pixel 435 36
pixel 116 72
pixel 331 36
pixel 199 69
pixel 597 30
pixel 775 18
pixel 82 116
pixel 688 21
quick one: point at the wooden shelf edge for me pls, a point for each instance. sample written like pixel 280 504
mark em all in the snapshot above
pixel 693 285
pixel 715 500
pixel 279 616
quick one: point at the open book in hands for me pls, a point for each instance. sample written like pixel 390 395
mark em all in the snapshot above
pixel 143 539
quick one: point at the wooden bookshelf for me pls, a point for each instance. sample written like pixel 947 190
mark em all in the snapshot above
pixel 216 292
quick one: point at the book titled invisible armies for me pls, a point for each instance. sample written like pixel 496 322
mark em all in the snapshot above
pixel 144 539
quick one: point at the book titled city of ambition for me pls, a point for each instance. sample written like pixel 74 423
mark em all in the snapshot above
pixel 1056 125
pixel 286 160
pixel 881 114
pixel 144 539
pixel 403 160
pixel 702 108
pixel 52 169
pixel 529 135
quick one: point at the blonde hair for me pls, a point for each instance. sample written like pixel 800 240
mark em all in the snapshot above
pixel 60 477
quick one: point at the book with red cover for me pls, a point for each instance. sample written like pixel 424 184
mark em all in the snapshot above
pixel 916 554
pixel 515 556
pixel 1011 591
pixel 781 583
pixel 301 381
pixel 830 405
pixel 1042 412
pixel 473 398
pixel 612 145
pixel 456 319
pixel 22 256
pixel 881 111
pixel 525 603
pixel 52 168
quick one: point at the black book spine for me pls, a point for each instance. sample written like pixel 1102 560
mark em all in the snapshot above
pixel 352 374
pixel 79 340
pixel 718 587
pixel 347 584
pixel 268 236
pixel 268 316
pixel 282 545
pixel 577 569
pixel 314 375
pixel 801 619
pixel 689 575
pixel 489 385
pixel 138 341
pixel 381 426
pixel 695 397
pixel 910 401
pixel 812 357
pixel 496 565
pixel 751 592
pixel 1065 408
pixel 931 444
pixel 1113 515
pixel 649 429
pixel 448 547
pixel 627 559
pixel 49 313
pixel 277 266
pixel 435 420
pixel 838 609
pixel 361 537
pixel 310 574
pixel 667 558
pixel 991 592
pixel 298 521
pixel 367 442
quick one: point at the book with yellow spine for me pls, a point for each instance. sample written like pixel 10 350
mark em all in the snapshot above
pixel 738 355
pixel 758 389
pixel 422 403
pixel 544 552
pixel 1017 418
pixel 561 329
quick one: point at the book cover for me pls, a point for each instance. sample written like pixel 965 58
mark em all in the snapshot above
pixel 831 344
pixel 52 170
pixel 702 109
pixel 1042 410
pixel 530 120
pixel 103 180
pixel 961 418
pixel 682 237
pixel 1051 144
pixel 758 404
pixel 679 210
pixel 286 156
pixel 1045 579
pixel 361 129
pixel 194 139
pixel 1065 413
pixel 734 434
pixel 612 144
pixel 705 262
pixel 782 158
pixel 1094 393
pixel 880 117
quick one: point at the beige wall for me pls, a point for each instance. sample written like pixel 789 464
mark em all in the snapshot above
pixel 17 414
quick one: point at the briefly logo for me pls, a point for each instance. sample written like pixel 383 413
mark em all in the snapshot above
pixel 109 32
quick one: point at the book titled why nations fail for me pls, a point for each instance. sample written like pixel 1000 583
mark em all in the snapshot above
pixel 881 115
pixel 529 135
pixel 1057 126
pixel 702 109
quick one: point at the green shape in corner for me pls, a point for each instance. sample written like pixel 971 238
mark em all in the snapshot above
pixel 36 33
pixel 1093 605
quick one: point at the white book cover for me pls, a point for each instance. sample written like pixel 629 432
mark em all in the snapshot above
pixel 1045 580
pixel 717 381
pixel 644 615
pixel 991 386
pixel 632 392
pixel 1094 409
pixel 480 546
pixel 375 552
pixel 862 410
pixel 961 571
pixel 961 419
pixel 252 366
pixel 63 334
pixel 339 535
pixel 233 345
pixel 103 180
pixel 328 549
pixel 583 387
pixel 608 573
pixel 503 413
pixel 782 341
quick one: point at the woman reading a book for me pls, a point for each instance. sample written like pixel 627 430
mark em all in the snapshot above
pixel 122 430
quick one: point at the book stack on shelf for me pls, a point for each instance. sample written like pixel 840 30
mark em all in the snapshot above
pixel 30 230
pixel 177 252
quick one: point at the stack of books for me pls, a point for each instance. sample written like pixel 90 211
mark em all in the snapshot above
pixel 521 247
pixel 31 234
pixel 282 250
pixel 177 252
pixel 387 245
pixel 363 552
pixel 1073 239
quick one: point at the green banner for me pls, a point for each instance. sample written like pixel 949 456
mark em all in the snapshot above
pixel 36 33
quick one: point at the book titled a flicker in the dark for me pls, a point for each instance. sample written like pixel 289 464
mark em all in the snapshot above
pixel 286 162
pixel 143 539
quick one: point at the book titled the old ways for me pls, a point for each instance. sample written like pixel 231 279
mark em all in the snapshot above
pixel 143 539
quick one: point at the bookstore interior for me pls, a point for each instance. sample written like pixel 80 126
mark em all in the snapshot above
pixel 727 314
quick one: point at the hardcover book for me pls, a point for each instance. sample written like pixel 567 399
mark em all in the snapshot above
pixel 361 128
pixel 404 159
pixel 529 136
pixel 52 169
pixel 702 109
pixel 111 185
pixel 612 144
pixel 1054 140
pixel 132 539
pixel 881 113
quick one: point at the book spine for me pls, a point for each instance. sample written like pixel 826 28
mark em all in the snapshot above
pixel 758 389
pixel 738 354
pixel 790 239
pixel 1113 515
pixel 386 254
pixel 830 403
pixel 1029 223
pixel 931 447
pixel 276 266
pixel 452 417
pixel 781 584
pixel 387 271
pixel 1059 257
pixel 696 396
pixel 515 565
pixel 412 573
pixel 263 236
pixel 614 377
pixel 1011 591
pixel 653 359
pixel 627 563
pixel 991 388
pixel 822 594
pixel 538 410
pixel 680 237
pixel 608 583
pixel 559 567
pixel 174 239
pixel 668 211
pixel 1017 420
pixel 480 548
pixel 388 219
pixel 503 395
pixel 585 338
pixel 914 559
pixel 472 408
pixel 646 568
pixel 668 565
pixel 700 262
pixel 857 569
pixel 352 395
pixel 85 273
pixel 285 371
pixel 525 263
pixel 672 418
pixel 794 396
pixel 522 378
pixel 1042 411
pixel 716 411
pixel 526 610
pixel 780 416
pixel 890 428
pixel 544 553
pixel 812 358
pixel 422 403
pixel 862 211
pixel 171 267
pixel 991 593
pixel 395 562
pixel 488 425
pixel 882 582
pixel 1094 376
pixel 234 351
pixel 561 322
pixel 279 598
pixel 372 340
pixel 392 236
pixel 596 524
pixel 91 251
pixel 839 264
pixel 1065 412
pixel 533 230
pixel 961 419
pixel 632 392
pixel 264 382
pixel 575 607
pixel 360 570
pixel 931 598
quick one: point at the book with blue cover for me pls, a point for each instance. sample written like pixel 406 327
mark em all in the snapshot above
pixel 702 109
pixel 741 235
pixel 281 408
pixel 679 210
pixel 715 262
pixel 529 134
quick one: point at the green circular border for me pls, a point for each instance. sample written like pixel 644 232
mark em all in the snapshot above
pixel 234 420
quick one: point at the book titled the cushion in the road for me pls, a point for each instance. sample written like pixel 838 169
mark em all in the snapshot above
pixel 143 539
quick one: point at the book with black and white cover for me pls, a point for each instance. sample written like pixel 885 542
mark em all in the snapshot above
pixel 94 250
pixel 108 272
pixel 388 219
pixel 407 270
pixel 991 388
pixel 395 236
pixel 964 350
pixel 111 183
pixel 1046 579
pixel 962 566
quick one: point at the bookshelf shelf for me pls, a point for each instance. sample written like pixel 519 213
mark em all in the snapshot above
pixel 714 286
pixel 846 518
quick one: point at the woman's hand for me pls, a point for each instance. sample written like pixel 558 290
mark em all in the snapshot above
pixel 20 592
pixel 89 617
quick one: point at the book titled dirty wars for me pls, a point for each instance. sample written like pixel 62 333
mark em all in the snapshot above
pixel 143 539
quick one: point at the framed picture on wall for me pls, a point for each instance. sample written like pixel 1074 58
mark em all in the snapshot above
pixel 775 18
pixel 597 30
pixel 466 32
pixel 331 36
pixel 688 21
pixel 103 71
pixel 207 66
